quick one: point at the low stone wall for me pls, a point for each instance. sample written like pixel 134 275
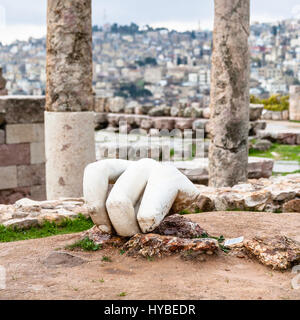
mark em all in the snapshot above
pixel 152 124
pixel 275 115
pixel 22 155
pixel 291 138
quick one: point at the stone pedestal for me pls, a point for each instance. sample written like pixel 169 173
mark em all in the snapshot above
pixel 294 109
pixel 70 146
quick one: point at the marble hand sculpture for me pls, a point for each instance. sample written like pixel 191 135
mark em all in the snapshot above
pixel 142 195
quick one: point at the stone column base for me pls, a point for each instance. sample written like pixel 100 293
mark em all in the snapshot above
pixel 69 146
pixel 294 103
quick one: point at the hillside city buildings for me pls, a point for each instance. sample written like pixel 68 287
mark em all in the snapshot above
pixel 159 66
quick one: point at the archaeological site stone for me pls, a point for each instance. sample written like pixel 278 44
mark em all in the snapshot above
pixel 230 94
pixel 294 101
pixel 179 226
pixel 154 245
pixel 69 118
pixel 277 252
pixel 3 90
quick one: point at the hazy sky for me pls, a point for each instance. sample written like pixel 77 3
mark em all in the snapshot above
pixel 20 19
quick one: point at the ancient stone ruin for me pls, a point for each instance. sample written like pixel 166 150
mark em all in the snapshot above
pixel 3 90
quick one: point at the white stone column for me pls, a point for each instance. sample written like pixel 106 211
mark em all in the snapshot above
pixel 69 121
pixel 294 109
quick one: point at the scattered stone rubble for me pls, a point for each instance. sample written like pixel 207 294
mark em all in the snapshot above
pixel 176 234
pixel 277 194
pixel 277 252
pixel 178 226
pixel 154 245
pixel 271 195
pixel 291 138
pixel 27 213
pixel 103 239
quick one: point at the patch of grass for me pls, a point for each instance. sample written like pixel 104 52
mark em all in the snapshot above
pixel 197 210
pixel 85 244
pixel 106 259
pixel 278 152
pixel 122 252
pixel 150 258
pixel 122 294
pixel 220 239
pixel 284 173
pixel 101 280
pixel 46 230
pixel 184 211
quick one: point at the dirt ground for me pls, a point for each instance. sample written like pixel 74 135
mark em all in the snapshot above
pixel 218 277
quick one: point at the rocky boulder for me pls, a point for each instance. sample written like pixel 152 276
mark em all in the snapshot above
pixel 262 145
pixel 154 245
pixel 277 252
pixel 255 111
pixel 179 226
pixel 117 104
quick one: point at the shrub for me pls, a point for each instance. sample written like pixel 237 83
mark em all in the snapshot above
pixel 275 102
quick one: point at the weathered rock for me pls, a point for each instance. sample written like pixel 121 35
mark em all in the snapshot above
pixel 262 145
pixel 100 120
pixel 101 104
pixel 164 123
pixel 144 108
pixel 146 124
pixel 292 138
pixel 104 239
pixel 130 107
pixel 255 111
pixel 292 206
pixel 22 109
pixel 200 124
pixel 26 213
pixel 294 108
pixel 255 126
pixel 158 111
pixel 229 94
pixel 69 57
pixel 3 91
pixel 179 226
pixel 154 245
pixel 22 223
pixel 62 259
pixel 174 112
pixel 206 113
pixel 259 167
pixel 184 123
pixel 277 252
pixel 116 104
